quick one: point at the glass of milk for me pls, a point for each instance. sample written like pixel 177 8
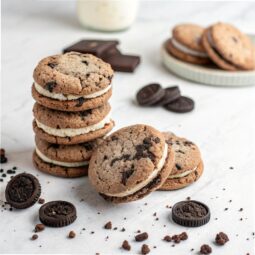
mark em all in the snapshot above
pixel 107 15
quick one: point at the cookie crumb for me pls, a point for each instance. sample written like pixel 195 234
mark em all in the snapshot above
pixel 71 234
pixel 145 249
pixel 123 230
pixel 108 225
pixel 126 246
pixel 39 227
pixel 167 238
pixel 34 237
pixel 41 201
pixel 221 238
pixel 241 209
pixel 205 249
pixel 141 237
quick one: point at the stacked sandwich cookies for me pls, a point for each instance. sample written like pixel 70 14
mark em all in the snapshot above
pixel 71 113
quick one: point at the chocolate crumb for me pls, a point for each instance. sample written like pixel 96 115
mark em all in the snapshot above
pixel 108 225
pixel 41 201
pixel 39 227
pixel 154 214
pixel 167 238
pixel 141 237
pixel 126 245
pixel 34 237
pixel 221 238
pixel 145 249
pixel 205 249
pixel 123 230
pixel 71 234
pixel 241 209
pixel 115 228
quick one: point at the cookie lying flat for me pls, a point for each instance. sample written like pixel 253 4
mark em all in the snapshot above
pixel 130 164
pixel 72 82
pixel 188 163
pixel 185 44
pixel 71 127
pixel 229 48
pixel 63 160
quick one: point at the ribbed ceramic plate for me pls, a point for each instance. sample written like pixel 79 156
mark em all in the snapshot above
pixel 207 75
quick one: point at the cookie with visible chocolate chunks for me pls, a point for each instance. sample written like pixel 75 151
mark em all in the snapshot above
pixel 188 166
pixel 130 164
pixel 228 47
pixel 72 82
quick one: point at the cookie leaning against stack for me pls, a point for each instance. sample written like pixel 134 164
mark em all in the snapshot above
pixel 71 112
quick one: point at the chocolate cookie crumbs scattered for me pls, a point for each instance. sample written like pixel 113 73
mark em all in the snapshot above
pixel 141 237
pixel 205 249
pixel 108 225
pixel 241 209
pixel 71 234
pixel 123 230
pixel 39 227
pixel 221 238
pixel 126 245
pixel 167 238
pixel 34 237
pixel 41 201
pixel 145 249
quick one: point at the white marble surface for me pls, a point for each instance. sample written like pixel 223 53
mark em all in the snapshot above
pixel 222 125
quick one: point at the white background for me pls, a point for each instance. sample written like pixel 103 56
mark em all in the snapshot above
pixel 222 125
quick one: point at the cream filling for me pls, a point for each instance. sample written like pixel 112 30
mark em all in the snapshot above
pixel 186 50
pixel 70 132
pixel 60 163
pixel 63 97
pixel 147 181
pixel 174 176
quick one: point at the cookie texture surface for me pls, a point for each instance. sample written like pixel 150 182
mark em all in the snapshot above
pixel 59 119
pixel 60 171
pixel 188 165
pixel 130 163
pixel 229 48
pixel 74 139
pixel 71 153
pixel 79 104
pixel 73 73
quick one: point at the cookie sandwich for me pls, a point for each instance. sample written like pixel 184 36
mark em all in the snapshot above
pixel 130 164
pixel 188 165
pixel 72 82
pixel 186 45
pixel 229 48
pixel 63 160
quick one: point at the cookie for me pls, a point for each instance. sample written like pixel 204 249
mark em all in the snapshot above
pixel 71 127
pixel 63 160
pixel 171 94
pixel 188 166
pixel 190 213
pixel 186 45
pixel 130 163
pixel 181 105
pixel 72 82
pixel 229 48
pixel 57 214
pixel 23 191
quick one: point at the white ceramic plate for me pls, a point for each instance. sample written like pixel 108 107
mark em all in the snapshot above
pixel 205 75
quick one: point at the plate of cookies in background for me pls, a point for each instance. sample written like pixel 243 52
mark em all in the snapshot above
pixel 220 55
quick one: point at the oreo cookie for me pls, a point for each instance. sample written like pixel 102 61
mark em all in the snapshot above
pixel 190 213
pixel 57 214
pixel 171 94
pixel 181 105
pixel 23 191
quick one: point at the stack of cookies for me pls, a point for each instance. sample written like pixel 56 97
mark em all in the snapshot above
pixel 136 160
pixel 71 113
pixel 221 44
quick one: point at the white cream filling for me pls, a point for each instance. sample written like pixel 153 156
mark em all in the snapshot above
pixel 70 132
pixel 186 50
pixel 63 97
pixel 59 163
pixel 153 175
pixel 174 176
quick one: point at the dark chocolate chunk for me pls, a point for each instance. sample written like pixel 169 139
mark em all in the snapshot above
pixel 108 225
pixel 39 227
pixel 22 191
pixel 123 63
pixel 190 213
pixel 141 237
pixel 41 201
pixel 95 47
pixel 221 238
pixel 150 94
pixel 34 237
pixel 145 249
pixel 126 174
pixel 181 105
pixel 126 245
pixel 80 102
pixel 171 94
pixel 50 86
pixel 205 249
pixel 71 234
pixel 57 213
pixel 167 238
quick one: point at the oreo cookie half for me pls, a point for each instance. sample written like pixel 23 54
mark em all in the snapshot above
pixel 22 191
pixel 57 214
pixel 190 213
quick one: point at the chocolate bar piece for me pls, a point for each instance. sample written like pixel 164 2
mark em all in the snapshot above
pixel 95 47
